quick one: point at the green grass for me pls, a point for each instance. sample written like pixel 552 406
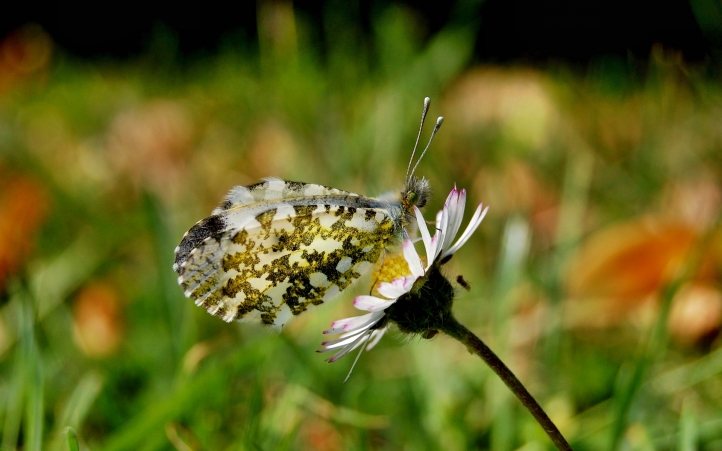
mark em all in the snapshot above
pixel 129 155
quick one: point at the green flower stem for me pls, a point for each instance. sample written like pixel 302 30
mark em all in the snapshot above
pixel 456 330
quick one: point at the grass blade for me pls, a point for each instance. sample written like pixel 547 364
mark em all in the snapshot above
pixel 72 439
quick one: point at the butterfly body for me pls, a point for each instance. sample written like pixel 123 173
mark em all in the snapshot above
pixel 272 250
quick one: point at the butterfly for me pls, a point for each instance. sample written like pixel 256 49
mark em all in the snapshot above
pixel 274 249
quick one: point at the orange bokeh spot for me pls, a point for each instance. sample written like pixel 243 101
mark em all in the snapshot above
pixel 23 207
pixel 631 260
pixel 97 319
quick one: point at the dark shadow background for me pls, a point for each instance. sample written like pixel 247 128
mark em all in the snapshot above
pixel 528 31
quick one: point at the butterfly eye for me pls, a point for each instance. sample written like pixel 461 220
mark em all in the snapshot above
pixel 413 198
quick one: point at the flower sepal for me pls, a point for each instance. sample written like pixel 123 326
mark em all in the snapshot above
pixel 426 309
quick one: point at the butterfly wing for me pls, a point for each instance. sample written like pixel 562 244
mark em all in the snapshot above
pixel 272 250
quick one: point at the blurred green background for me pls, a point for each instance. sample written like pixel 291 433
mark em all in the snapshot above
pixel 595 276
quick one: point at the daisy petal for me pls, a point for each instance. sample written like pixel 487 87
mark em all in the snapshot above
pixel 412 258
pixel 435 250
pixel 354 363
pixel 424 230
pixel 458 213
pixel 442 233
pixel 454 214
pixel 356 322
pixel 396 288
pixel 331 345
pixel 361 340
pixel 473 225
pixel 375 337
pixel 371 303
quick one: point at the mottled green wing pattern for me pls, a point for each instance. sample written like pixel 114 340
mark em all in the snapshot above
pixel 272 250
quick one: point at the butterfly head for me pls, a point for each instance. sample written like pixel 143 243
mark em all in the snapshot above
pixel 415 194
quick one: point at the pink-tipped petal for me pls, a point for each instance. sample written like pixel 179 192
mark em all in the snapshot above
pixel 342 342
pixel 458 213
pixel 355 322
pixel 453 215
pixel 479 215
pixel 371 303
pixel 397 287
pixel 452 197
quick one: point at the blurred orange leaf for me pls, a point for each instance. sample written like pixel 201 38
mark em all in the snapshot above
pixel 630 261
pixel 23 207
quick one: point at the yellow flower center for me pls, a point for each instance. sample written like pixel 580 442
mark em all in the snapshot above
pixel 391 267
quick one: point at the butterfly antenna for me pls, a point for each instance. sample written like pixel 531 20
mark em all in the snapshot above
pixel 439 121
pixel 427 102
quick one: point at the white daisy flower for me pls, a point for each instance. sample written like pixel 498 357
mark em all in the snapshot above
pixel 368 329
